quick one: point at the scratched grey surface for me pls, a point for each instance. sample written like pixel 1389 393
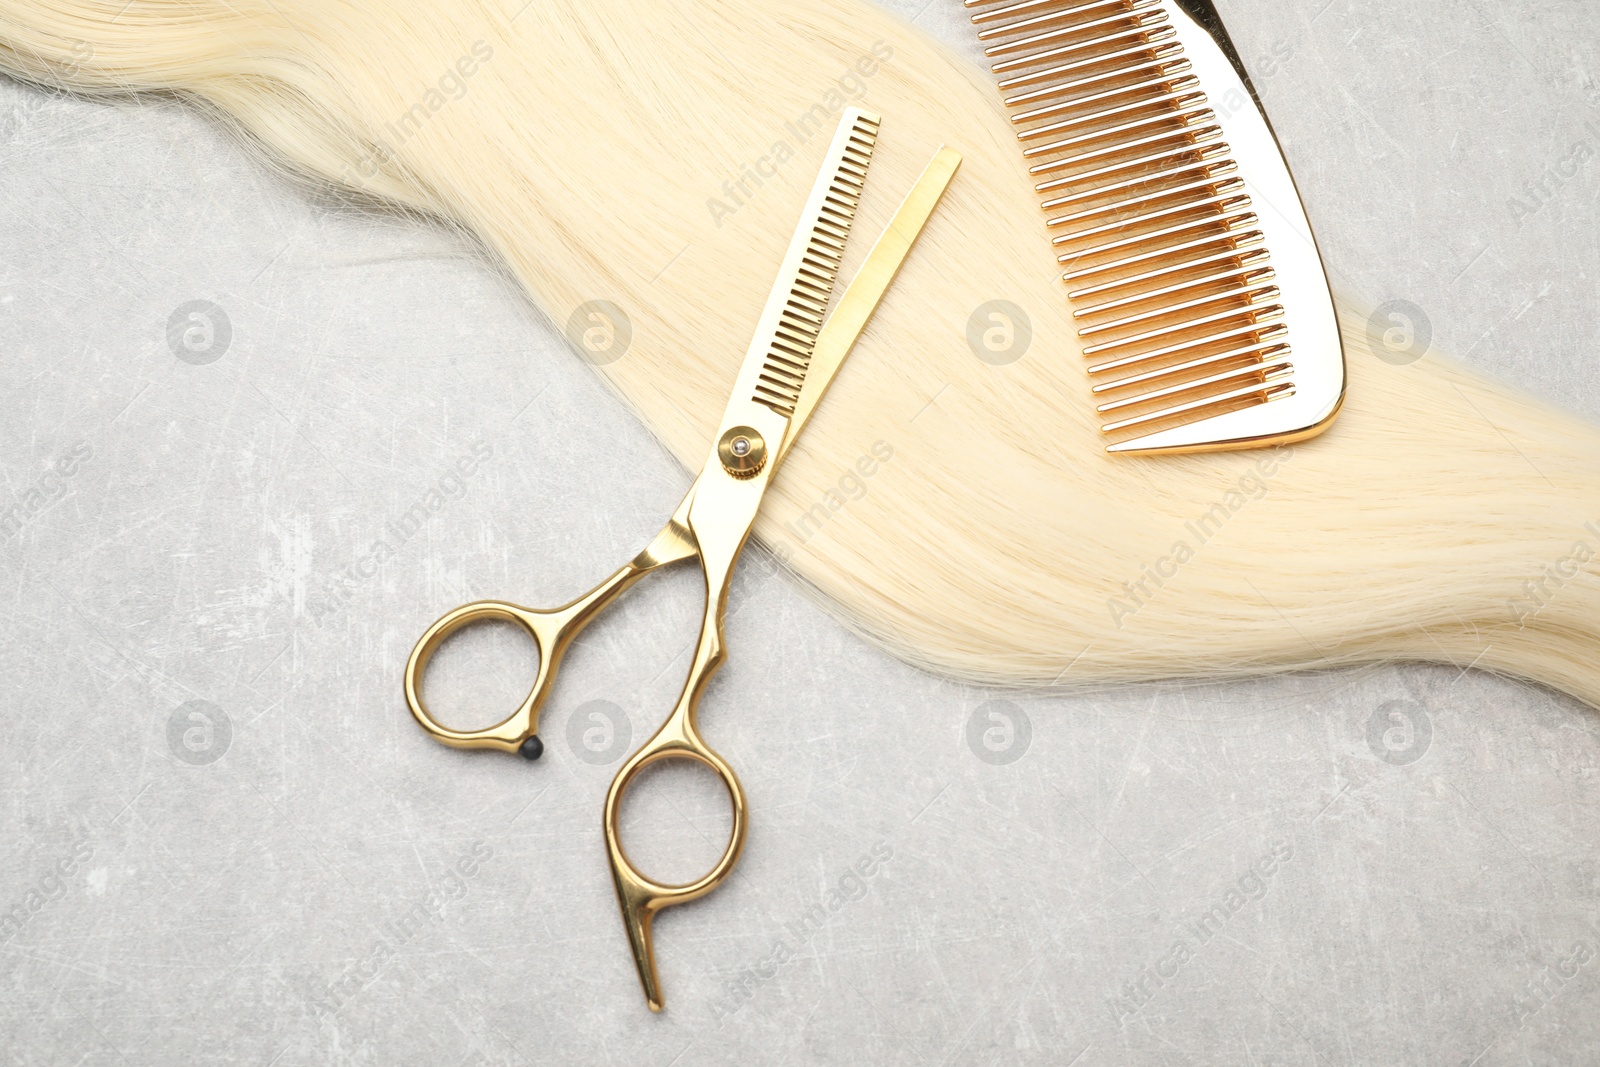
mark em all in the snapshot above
pixel 299 877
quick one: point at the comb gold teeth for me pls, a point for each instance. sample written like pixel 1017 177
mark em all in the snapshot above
pixel 1166 80
pixel 1162 180
pixel 1081 20
pixel 1185 349
pixel 1241 221
pixel 1192 152
pixel 1098 83
pixel 1258 353
pixel 1240 275
pixel 1265 371
pixel 1121 20
pixel 1230 240
pixel 1231 293
pixel 1064 42
pixel 1188 262
pixel 1077 56
pixel 1151 55
pixel 827 228
pixel 1102 122
pixel 1266 389
pixel 1184 134
pixel 1244 258
pixel 1165 88
pixel 1171 124
pixel 1208 187
pixel 1234 202
pixel 1026 7
pixel 1254 314
pixel 1015 8
pixel 1168 337
pixel 1108 121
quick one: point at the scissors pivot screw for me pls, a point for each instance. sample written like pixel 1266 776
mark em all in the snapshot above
pixel 532 748
pixel 743 452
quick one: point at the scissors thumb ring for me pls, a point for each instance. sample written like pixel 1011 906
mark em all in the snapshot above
pixel 518 731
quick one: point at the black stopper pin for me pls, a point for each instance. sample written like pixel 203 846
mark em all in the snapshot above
pixel 532 748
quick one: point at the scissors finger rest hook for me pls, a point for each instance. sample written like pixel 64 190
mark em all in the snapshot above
pixel 792 359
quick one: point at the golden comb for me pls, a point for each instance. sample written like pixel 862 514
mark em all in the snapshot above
pixel 1190 266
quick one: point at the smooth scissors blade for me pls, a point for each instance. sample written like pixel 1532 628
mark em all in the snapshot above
pixel 866 289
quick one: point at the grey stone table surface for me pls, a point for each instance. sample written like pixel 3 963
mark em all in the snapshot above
pixel 222 840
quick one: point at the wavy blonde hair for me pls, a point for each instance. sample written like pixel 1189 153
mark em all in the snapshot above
pixel 960 513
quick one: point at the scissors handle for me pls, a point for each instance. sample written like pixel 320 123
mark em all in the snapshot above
pixel 552 631
pixel 639 895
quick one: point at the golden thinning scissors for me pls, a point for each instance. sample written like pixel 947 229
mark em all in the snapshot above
pixel 792 359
